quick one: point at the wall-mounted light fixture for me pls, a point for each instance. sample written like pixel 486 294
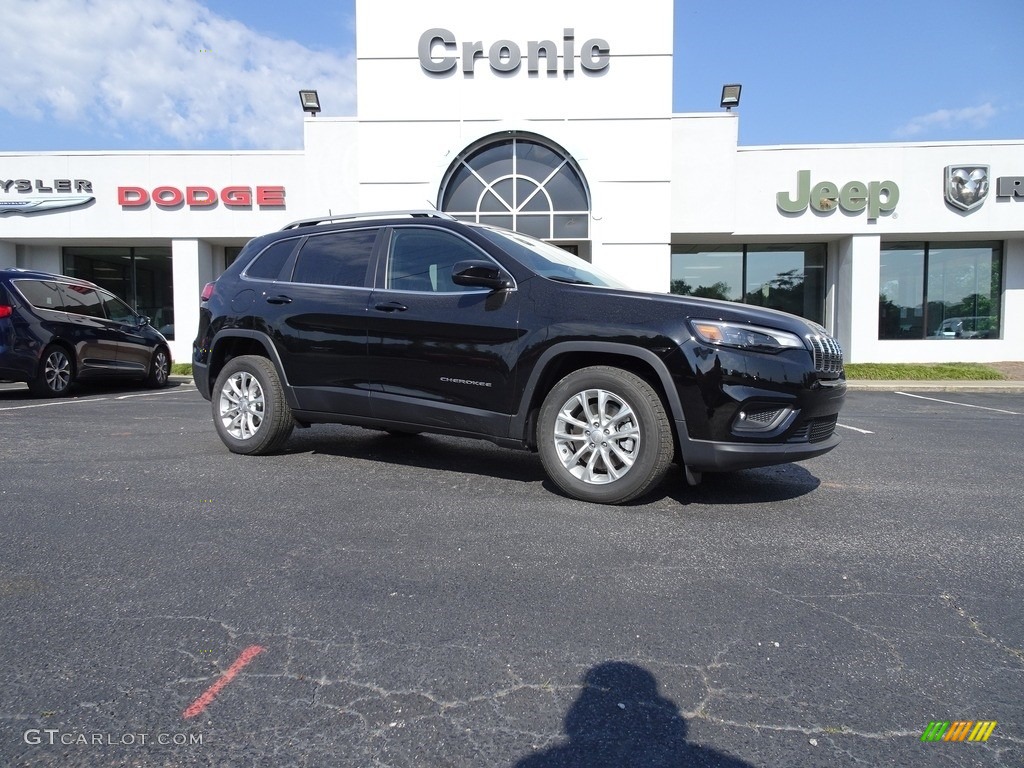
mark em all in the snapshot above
pixel 310 102
pixel 731 95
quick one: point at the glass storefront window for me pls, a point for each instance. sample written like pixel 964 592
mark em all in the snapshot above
pixel 940 291
pixel 786 277
pixel 142 276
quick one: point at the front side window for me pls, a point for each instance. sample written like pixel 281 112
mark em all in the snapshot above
pixel 117 310
pixel 422 260
pixel 940 291
pixel 335 258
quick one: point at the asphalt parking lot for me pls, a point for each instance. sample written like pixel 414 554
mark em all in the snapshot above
pixel 363 600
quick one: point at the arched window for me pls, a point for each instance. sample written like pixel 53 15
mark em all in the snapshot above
pixel 520 182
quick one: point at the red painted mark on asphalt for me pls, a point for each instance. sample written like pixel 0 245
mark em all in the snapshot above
pixel 197 706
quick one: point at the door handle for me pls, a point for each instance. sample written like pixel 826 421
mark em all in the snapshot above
pixel 391 306
pixel 279 299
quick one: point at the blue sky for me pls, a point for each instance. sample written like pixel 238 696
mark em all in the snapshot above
pixel 222 74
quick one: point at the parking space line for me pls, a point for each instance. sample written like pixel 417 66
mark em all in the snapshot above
pixel 155 394
pixel 855 429
pixel 197 706
pixel 965 405
pixel 73 400
pixel 55 402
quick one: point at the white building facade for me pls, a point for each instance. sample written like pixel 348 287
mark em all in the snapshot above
pixel 558 123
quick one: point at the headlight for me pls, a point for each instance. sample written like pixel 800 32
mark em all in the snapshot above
pixel 751 337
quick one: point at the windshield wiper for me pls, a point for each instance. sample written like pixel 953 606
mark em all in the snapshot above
pixel 571 280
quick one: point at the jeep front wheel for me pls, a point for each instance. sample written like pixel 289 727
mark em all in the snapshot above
pixel 603 435
pixel 249 408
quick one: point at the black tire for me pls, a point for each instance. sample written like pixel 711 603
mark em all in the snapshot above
pixel 56 373
pixel 159 369
pixel 249 408
pixel 633 447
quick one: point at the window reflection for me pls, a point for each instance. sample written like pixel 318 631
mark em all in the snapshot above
pixel 142 276
pixel 785 277
pixel 937 291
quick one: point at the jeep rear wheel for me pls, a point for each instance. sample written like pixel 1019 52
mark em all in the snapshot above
pixel 249 408
pixel 603 435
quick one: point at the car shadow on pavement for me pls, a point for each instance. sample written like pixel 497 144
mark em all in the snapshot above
pixel 465 455
pixel 780 482
pixel 620 719
pixel 479 457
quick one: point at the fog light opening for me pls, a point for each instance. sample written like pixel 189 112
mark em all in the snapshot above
pixel 761 419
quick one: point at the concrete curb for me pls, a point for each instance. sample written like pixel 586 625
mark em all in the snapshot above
pixel 866 385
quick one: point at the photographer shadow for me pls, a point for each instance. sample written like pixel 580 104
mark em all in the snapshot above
pixel 620 721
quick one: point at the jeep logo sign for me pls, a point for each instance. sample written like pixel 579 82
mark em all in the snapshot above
pixel 438 53
pixel 877 197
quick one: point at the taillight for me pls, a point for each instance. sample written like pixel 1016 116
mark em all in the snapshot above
pixel 5 311
pixel 207 292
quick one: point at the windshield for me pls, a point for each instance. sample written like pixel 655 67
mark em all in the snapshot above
pixel 550 261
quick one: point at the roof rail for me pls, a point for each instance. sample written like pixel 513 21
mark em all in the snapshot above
pixel 330 218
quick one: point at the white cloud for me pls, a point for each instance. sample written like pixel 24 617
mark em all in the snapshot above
pixel 169 69
pixel 946 120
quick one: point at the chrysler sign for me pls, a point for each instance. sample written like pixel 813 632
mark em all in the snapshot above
pixel 59 193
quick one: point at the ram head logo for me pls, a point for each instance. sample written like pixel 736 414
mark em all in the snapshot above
pixel 966 186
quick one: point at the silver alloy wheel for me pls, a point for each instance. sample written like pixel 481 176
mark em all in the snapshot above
pixel 161 367
pixel 57 371
pixel 242 405
pixel 597 436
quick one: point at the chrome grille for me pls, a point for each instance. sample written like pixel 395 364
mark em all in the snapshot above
pixel 828 355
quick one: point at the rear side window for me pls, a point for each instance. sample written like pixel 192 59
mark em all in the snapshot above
pixel 268 265
pixel 41 294
pixel 337 258
pixel 80 300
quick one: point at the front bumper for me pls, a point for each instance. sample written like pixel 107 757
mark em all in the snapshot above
pixel 714 456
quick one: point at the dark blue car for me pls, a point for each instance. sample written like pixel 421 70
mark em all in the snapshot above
pixel 56 330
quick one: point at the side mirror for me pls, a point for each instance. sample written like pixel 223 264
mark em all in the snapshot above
pixel 480 273
pixel 143 321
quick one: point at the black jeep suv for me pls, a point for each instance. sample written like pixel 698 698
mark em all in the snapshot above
pixel 56 330
pixel 415 322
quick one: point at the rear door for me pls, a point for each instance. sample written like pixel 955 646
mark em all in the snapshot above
pixel 95 338
pixel 316 317
pixel 441 354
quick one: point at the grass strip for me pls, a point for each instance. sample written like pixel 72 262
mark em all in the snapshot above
pixel 922 371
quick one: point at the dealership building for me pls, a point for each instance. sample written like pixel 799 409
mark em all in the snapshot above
pixel 559 123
